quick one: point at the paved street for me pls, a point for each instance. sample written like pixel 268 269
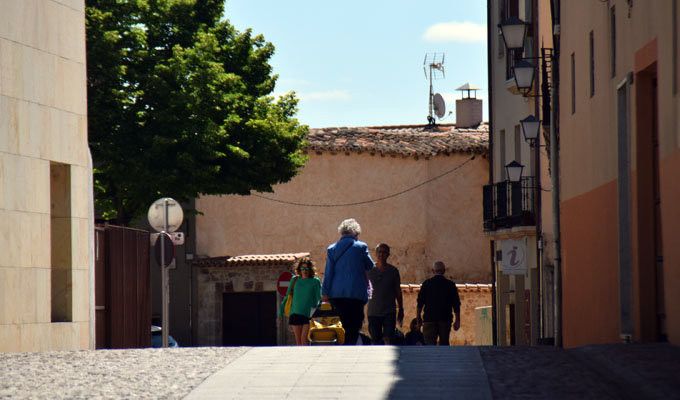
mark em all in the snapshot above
pixel 374 372
pixel 364 372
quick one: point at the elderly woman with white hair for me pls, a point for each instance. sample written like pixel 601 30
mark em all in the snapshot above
pixel 345 281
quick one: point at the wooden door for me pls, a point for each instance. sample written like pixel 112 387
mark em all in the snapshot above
pixel 249 319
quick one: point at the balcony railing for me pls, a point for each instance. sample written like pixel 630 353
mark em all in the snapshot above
pixel 509 204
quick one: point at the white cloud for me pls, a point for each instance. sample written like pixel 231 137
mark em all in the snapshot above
pixel 464 32
pixel 328 95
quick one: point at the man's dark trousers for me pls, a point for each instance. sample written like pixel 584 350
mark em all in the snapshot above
pixel 437 329
pixel 351 312
pixel 381 327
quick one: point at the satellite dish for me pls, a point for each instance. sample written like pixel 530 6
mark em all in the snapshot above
pixel 439 105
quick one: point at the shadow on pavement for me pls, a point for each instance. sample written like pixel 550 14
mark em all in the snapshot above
pixel 432 372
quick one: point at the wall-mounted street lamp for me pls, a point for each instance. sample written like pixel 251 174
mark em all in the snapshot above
pixel 524 75
pixel 530 128
pixel 514 171
pixel 513 30
pixel 514 33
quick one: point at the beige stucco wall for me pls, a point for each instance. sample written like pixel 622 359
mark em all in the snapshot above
pixel 589 155
pixel 440 220
pixel 42 119
pixel 592 129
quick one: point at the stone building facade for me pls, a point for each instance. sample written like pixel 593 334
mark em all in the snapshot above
pixel 247 283
pixel 46 215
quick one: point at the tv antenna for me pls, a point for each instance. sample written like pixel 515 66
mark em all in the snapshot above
pixel 433 68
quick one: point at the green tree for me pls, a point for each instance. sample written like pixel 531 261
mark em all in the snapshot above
pixel 180 104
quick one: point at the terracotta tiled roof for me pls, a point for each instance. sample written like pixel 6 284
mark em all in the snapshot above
pixel 254 259
pixel 462 287
pixel 401 140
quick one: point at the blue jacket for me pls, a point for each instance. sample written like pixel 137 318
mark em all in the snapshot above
pixel 347 262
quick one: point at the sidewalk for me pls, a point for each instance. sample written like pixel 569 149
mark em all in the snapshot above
pixel 357 372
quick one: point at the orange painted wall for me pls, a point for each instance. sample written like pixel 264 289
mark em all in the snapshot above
pixel 590 267
pixel 670 214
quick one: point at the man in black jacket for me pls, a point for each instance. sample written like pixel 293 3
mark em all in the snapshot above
pixel 438 296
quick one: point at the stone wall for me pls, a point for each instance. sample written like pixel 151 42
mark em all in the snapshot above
pixel 214 277
pixel 212 282
pixel 471 296
pixel 46 219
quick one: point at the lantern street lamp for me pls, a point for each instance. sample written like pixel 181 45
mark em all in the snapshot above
pixel 524 75
pixel 514 31
pixel 514 170
pixel 530 128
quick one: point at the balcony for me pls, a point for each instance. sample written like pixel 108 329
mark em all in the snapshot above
pixel 509 204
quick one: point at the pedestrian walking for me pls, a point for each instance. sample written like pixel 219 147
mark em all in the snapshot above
pixel 345 282
pixel 438 296
pixel 386 306
pixel 304 293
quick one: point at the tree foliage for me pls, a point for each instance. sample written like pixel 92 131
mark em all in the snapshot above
pixel 180 104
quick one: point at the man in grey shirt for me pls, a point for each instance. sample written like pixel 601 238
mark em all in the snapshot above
pixel 382 314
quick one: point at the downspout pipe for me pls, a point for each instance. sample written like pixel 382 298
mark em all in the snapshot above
pixel 489 36
pixel 555 171
pixel 536 314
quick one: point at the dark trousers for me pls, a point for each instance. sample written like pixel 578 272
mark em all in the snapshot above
pixel 437 329
pixel 381 327
pixel 351 312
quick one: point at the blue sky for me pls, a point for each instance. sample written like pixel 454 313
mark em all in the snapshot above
pixel 360 63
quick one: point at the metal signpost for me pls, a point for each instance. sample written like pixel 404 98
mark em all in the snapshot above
pixel 165 215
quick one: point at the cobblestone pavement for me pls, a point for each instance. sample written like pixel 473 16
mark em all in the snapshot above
pixel 594 372
pixel 122 374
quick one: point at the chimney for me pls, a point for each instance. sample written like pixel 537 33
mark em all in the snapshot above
pixel 468 108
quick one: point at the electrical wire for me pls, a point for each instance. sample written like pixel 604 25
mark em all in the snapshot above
pixel 294 203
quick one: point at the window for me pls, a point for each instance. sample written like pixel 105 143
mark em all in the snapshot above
pixel 501 17
pixel 60 242
pixel 512 56
pixel 510 8
pixel 518 144
pixel 591 41
pixel 612 40
pixel 573 83
pixel 502 155
pixel 675 45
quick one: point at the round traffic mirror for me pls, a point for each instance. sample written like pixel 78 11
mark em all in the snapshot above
pixel 165 207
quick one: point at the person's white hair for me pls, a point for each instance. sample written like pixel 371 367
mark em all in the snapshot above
pixel 349 227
